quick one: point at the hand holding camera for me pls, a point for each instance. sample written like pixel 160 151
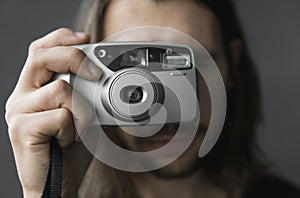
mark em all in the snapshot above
pixel 38 110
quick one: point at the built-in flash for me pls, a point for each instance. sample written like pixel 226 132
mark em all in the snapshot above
pixel 176 61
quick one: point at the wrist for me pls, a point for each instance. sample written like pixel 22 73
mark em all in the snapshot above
pixel 32 194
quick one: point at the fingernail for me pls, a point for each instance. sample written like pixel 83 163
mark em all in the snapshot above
pixel 94 70
pixel 80 34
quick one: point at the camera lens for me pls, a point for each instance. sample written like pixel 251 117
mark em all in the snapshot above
pixel 132 94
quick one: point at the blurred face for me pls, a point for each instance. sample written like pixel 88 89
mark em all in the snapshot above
pixel 192 18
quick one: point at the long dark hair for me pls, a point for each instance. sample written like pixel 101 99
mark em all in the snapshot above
pixel 232 162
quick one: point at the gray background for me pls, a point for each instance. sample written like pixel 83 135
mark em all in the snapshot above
pixel 272 30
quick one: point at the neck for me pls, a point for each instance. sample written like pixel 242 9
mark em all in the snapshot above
pixel 149 185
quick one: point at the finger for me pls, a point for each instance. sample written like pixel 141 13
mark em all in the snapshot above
pixel 59 37
pixel 41 65
pixel 30 135
pixel 37 129
pixel 57 94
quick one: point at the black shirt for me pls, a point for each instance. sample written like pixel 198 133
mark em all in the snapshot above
pixel 270 186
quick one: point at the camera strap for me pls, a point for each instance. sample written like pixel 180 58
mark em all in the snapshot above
pixel 53 183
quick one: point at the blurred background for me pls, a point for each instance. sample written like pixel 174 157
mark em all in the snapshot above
pixel 272 30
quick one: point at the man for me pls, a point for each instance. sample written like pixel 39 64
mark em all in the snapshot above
pixel 226 172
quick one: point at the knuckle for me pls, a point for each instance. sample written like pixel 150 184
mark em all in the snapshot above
pixel 9 110
pixel 74 52
pixel 14 128
pixel 8 114
pixel 63 117
pixel 76 57
pixel 34 59
pixel 60 89
pixel 63 31
pixel 34 45
pixel 64 114
pixel 60 86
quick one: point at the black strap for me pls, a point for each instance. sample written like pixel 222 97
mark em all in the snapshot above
pixel 54 179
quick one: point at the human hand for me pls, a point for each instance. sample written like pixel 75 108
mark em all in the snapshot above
pixel 37 110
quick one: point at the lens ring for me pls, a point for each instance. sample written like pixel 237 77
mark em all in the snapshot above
pixel 138 110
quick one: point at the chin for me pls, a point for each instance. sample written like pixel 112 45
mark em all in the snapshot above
pixel 180 168
pixel 186 165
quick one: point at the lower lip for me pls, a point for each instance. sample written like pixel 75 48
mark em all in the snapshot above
pixel 155 144
pixel 158 143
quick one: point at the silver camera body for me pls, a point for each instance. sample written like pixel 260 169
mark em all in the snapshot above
pixel 143 83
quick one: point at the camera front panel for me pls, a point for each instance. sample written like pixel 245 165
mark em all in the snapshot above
pixel 139 80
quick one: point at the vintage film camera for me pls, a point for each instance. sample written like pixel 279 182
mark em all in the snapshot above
pixel 143 83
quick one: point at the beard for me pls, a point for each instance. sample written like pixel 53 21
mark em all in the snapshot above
pixel 186 165
pixel 180 168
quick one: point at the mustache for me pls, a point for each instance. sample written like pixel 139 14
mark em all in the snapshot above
pixel 169 130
